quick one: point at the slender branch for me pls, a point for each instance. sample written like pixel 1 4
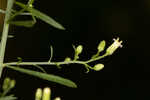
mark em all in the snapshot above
pixel 44 63
pixel 94 59
pixel 5 33
pixel 55 63
pixel 24 13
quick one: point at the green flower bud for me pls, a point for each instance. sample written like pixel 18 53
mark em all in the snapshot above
pixel 6 83
pixel 38 94
pixel 57 98
pixel 46 94
pixel 79 49
pixel 12 83
pixel 98 67
pixel 67 59
pixel 101 46
pixel 112 48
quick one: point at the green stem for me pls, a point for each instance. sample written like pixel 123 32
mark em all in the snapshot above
pixel 94 59
pixel 55 63
pixel 44 63
pixel 5 33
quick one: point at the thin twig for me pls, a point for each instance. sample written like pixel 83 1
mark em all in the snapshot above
pixel 56 63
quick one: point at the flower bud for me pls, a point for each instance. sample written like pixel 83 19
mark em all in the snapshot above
pixel 38 94
pixel 116 44
pixel 67 59
pixel 12 83
pixel 6 83
pixel 46 94
pixel 57 98
pixel 98 67
pixel 101 46
pixel 79 49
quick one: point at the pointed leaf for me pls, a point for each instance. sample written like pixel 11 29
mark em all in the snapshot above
pixel 44 76
pixel 28 23
pixel 46 18
pixel 42 16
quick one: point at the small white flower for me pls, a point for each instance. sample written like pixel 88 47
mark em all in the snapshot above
pixel 116 44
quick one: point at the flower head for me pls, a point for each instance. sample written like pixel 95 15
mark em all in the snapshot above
pixel 115 45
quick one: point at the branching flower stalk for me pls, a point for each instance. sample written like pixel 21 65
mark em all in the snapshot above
pixel 29 10
pixel 111 49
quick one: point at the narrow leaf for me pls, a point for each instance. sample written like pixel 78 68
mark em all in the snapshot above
pixel 42 16
pixel 28 23
pixel 44 76
pixel 46 18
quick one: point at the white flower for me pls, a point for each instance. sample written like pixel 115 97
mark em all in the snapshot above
pixel 116 44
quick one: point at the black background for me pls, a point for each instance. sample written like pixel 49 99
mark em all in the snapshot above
pixel 87 22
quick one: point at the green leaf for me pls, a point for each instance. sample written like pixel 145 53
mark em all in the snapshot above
pixel 42 16
pixel 28 23
pixel 46 18
pixel 44 76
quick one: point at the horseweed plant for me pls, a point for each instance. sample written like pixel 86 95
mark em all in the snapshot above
pixel 29 10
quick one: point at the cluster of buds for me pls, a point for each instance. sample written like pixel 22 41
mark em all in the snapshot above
pixel 44 95
pixel 8 84
pixel 101 46
pixel 109 51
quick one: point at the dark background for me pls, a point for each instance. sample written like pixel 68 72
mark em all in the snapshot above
pixel 87 22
